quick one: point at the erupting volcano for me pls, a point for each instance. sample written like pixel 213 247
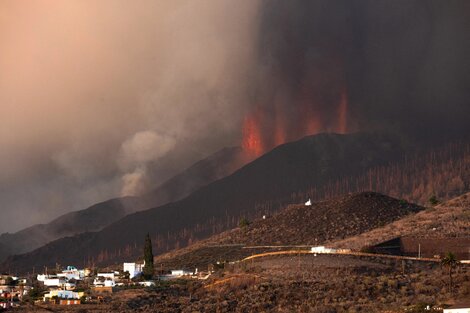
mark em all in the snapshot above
pixel 252 137
pixel 265 128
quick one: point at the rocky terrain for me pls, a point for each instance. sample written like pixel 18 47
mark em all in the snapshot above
pixel 264 184
pixel 305 282
pixel 100 215
pixel 324 221
pixel 450 219
pixel 308 226
pixel 310 283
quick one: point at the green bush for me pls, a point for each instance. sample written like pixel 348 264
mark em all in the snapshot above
pixel 433 200
pixel 244 223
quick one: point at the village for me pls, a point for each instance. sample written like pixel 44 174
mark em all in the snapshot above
pixel 59 287
pixel 72 286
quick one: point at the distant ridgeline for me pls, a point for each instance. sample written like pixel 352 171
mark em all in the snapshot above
pixel 442 172
pixel 360 162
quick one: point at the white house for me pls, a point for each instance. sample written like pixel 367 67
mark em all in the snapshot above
pixel 178 273
pixel 63 294
pixel 134 269
pixel 52 280
pixel 69 286
pixel 459 308
pixel 106 275
pixel 308 203
pixel 101 281
pixel 105 280
pixel 322 249
pixel 72 273
pixel 147 283
pixel 43 277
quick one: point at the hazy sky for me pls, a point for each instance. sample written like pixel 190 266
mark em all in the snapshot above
pixel 92 92
pixel 106 98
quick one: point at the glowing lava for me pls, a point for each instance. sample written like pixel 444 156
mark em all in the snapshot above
pixel 252 140
pixel 263 131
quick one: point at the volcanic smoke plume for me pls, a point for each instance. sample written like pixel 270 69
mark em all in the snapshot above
pixel 263 130
pixel 398 66
pixel 302 89
pixel 101 98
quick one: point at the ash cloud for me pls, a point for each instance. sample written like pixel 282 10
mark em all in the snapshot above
pixel 135 156
pixel 404 64
pixel 102 98
pixel 84 83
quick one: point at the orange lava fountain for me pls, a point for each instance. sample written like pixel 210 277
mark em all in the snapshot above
pixel 252 140
pixel 319 107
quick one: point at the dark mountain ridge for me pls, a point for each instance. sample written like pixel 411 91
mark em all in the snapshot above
pixel 269 180
pixel 91 219
pixel 96 217
pixel 296 225
pixel 324 221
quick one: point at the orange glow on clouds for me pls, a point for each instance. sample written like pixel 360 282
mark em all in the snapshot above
pixel 261 134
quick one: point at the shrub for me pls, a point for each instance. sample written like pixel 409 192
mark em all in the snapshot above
pixel 244 223
pixel 433 200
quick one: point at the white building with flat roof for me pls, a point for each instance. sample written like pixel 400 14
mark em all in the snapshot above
pixel 107 275
pixel 51 280
pixel 71 272
pixel 322 249
pixel 179 273
pixel 134 269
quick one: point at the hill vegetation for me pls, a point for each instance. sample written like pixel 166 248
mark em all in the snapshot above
pixel 317 284
pixel 100 215
pixel 264 186
pixel 418 176
pixel 450 219
pixel 301 225
pixel 219 205
pixel 323 284
pixel 324 221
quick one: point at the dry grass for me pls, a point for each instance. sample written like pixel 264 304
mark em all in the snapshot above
pixel 323 283
pixel 449 219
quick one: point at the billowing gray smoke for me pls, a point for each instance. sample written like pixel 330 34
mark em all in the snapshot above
pixel 106 98
pixel 403 64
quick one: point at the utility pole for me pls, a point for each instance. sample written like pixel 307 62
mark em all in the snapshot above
pixel 419 251
pixel 298 261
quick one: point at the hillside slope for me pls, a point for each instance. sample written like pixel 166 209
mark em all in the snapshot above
pixel 96 217
pixel 91 219
pixel 450 219
pixel 216 166
pixel 297 225
pixel 216 207
pixel 300 225
pixel 324 221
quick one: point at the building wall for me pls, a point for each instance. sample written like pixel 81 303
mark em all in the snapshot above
pixel 436 246
pixel 134 269
pixel 427 247
pixel 467 310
